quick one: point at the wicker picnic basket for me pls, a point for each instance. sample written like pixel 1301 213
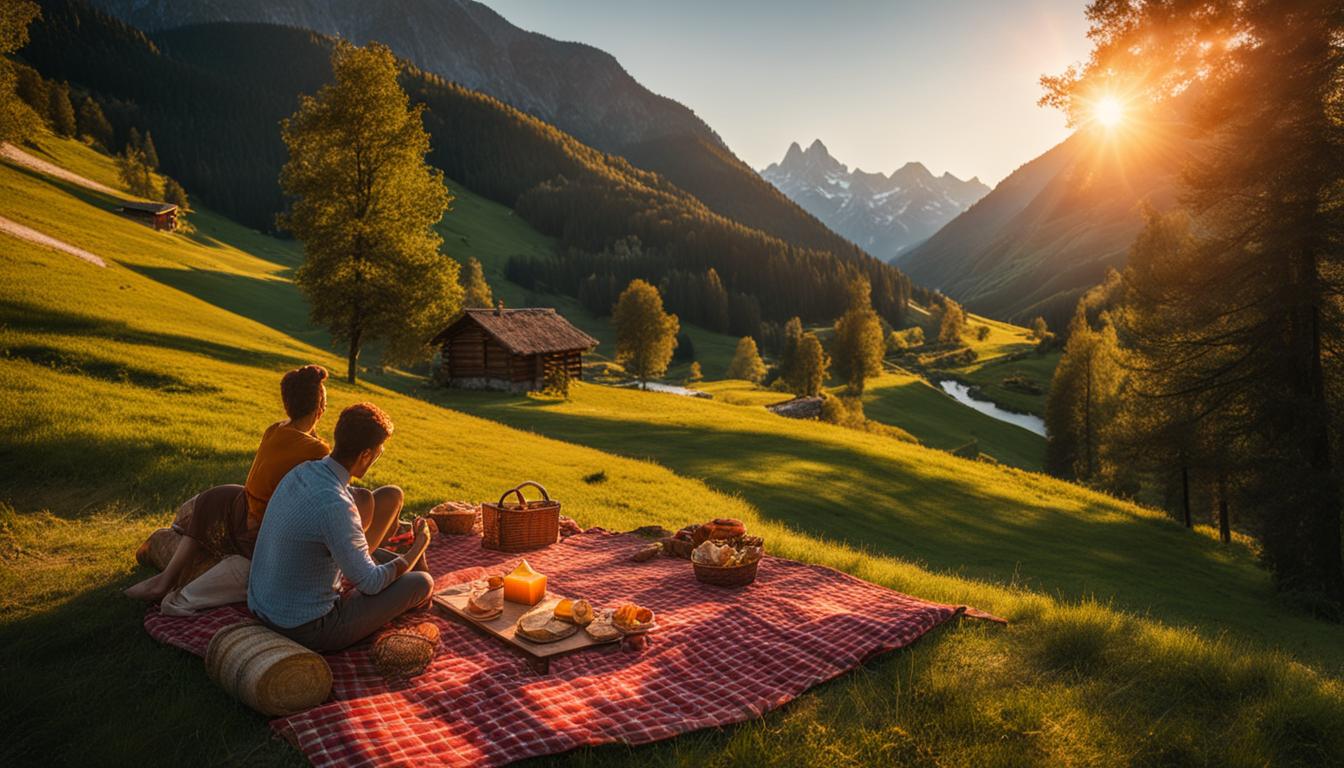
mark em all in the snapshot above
pixel 522 525
pixel 736 576
pixel 455 518
pixel 267 671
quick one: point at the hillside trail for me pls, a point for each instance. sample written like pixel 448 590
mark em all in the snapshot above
pixel 17 156
pixel 18 230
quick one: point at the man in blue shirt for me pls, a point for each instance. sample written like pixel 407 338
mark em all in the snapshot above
pixel 312 535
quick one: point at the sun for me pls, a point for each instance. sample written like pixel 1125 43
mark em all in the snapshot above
pixel 1108 111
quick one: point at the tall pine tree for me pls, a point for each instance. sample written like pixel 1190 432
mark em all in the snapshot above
pixel 1258 80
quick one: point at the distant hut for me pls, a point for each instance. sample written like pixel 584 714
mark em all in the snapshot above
pixel 510 349
pixel 161 216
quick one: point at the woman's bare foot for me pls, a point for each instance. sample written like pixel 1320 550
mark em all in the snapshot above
pixel 152 589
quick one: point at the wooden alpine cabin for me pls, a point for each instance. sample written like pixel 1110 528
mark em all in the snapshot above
pixel 510 349
pixel 160 216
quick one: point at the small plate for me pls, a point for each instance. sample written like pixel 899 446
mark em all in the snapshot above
pixel 482 616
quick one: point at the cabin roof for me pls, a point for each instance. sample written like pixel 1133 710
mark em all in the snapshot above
pixel 155 208
pixel 524 331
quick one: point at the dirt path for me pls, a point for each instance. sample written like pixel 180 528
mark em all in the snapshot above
pixel 33 236
pixel 17 156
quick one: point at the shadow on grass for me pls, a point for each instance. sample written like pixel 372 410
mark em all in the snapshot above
pixel 31 317
pixel 103 370
pixel 275 303
pixel 70 474
pixel 95 687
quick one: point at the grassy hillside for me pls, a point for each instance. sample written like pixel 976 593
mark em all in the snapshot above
pixel 1132 642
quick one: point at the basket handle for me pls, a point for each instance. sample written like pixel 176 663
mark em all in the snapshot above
pixel 518 491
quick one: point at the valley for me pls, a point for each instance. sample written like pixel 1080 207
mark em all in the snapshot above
pixel 136 384
pixel 1076 431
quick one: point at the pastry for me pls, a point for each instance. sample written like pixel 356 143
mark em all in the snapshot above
pixel 541 626
pixel 647 553
pixel 564 610
pixel 583 613
pixel 631 617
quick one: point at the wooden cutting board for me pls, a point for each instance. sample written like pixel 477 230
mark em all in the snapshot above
pixel 452 602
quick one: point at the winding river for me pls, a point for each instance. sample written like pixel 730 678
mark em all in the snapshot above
pixel 962 394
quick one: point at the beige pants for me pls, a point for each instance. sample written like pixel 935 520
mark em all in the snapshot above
pixel 224 583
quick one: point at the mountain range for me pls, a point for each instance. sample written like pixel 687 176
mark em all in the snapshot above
pixel 579 89
pixel 884 215
pixel 1054 227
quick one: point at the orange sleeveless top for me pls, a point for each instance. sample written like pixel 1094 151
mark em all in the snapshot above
pixel 282 449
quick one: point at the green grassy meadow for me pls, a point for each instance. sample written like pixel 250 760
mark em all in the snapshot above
pixel 1131 642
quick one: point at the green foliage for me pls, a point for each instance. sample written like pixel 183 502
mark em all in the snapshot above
pixel 1245 337
pixel 982 332
pixel 645 334
pixel 175 194
pixel 136 174
pixel 1039 330
pixel 60 110
pixel 694 375
pixel 365 205
pixel 951 322
pixel 151 152
pixel 810 368
pixel 475 289
pixel 17 119
pixel 556 382
pixel 747 364
pixel 1084 403
pixel 857 347
pixel 93 124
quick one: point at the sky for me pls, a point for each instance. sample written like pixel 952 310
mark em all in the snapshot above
pixel 949 83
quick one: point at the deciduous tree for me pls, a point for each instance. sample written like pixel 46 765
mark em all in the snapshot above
pixel 811 367
pixel 747 364
pixel 364 206
pixel 645 334
pixel 858 344
pixel 17 119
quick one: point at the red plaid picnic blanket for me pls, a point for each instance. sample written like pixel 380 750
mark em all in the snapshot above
pixel 720 656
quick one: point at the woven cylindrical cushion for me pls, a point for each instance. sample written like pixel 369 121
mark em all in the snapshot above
pixel 267 671
pixel 405 651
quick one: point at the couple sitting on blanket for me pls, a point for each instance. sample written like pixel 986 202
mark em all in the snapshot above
pixel 302 526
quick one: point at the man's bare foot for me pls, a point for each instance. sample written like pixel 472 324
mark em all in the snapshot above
pixel 152 589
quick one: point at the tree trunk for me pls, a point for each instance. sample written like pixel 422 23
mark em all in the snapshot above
pixel 1087 416
pixel 1185 494
pixel 1224 524
pixel 353 360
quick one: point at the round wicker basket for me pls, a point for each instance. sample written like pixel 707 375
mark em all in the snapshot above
pixel 456 518
pixel 266 671
pixel 738 576
pixel 405 651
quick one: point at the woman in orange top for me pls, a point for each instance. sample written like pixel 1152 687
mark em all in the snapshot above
pixel 225 519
